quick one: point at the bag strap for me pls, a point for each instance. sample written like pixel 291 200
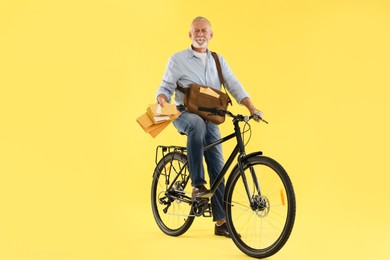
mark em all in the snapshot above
pixel 181 88
pixel 218 64
pixel 215 56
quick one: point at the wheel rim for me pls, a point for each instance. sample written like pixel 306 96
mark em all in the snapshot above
pixel 263 225
pixel 171 213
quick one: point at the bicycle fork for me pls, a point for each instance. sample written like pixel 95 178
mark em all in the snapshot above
pixel 255 199
pixel 242 156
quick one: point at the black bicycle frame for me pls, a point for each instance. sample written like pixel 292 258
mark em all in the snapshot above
pixel 239 149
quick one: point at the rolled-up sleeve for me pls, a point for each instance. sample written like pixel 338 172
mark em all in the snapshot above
pixel 171 76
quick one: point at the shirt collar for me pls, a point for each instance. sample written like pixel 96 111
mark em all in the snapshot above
pixel 191 52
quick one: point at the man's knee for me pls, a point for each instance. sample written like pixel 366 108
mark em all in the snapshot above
pixel 196 124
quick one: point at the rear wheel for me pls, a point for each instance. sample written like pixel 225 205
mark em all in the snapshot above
pixel 260 222
pixel 171 194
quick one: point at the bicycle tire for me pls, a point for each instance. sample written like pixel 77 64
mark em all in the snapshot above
pixel 175 219
pixel 262 228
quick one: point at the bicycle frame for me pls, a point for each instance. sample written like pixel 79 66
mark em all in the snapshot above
pixel 239 150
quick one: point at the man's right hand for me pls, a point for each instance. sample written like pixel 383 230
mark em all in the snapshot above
pixel 162 99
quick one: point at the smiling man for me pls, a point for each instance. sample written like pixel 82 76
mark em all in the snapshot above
pixel 196 65
pixel 200 34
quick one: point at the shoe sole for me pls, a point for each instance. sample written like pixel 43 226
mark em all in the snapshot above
pixel 203 196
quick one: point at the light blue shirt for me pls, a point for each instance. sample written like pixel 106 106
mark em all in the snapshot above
pixel 185 68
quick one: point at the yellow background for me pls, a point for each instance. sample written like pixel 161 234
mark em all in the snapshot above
pixel 75 168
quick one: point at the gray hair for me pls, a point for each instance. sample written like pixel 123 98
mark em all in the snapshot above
pixel 201 18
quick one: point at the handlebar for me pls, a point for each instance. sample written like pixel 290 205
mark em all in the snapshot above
pixel 221 112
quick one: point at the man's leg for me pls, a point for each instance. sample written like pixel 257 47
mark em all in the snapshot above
pixel 195 129
pixel 215 163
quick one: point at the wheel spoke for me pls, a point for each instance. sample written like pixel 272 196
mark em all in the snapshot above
pixel 170 185
pixel 261 226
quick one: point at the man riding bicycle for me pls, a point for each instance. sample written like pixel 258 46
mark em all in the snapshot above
pixel 196 65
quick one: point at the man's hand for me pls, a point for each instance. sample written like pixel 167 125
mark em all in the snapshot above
pixel 252 109
pixel 258 113
pixel 162 99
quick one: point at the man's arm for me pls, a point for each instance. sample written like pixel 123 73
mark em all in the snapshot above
pixel 168 85
pixel 247 102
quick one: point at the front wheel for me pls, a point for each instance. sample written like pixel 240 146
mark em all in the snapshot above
pixel 260 207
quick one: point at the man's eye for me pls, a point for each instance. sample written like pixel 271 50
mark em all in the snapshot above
pixel 197 31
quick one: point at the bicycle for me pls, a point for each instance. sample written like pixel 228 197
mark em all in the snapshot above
pixel 259 199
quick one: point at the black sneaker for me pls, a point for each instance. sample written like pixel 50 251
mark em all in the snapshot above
pixel 221 230
pixel 201 192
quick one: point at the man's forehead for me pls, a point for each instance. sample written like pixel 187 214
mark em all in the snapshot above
pixel 200 24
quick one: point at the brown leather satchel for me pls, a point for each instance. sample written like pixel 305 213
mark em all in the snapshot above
pixel 203 96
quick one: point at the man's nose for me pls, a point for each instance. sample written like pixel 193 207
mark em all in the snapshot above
pixel 200 33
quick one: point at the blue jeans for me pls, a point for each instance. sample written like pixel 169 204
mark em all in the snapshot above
pixel 200 134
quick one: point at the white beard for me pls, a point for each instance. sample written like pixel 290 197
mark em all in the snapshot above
pixel 201 44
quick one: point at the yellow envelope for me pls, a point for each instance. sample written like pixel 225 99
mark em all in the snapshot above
pixel 209 91
pixel 167 110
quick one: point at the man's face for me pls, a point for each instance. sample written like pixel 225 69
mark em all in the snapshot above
pixel 200 34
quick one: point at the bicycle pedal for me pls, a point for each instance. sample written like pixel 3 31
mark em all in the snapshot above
pixel 205 196
pixel 208 213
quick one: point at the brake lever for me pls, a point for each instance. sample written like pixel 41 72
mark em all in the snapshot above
pixel 257 117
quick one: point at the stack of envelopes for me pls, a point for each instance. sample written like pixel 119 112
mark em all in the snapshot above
pixel 157 118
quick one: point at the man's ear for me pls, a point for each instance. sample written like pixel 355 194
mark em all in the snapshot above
pixel 189 34
pixel 211 35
